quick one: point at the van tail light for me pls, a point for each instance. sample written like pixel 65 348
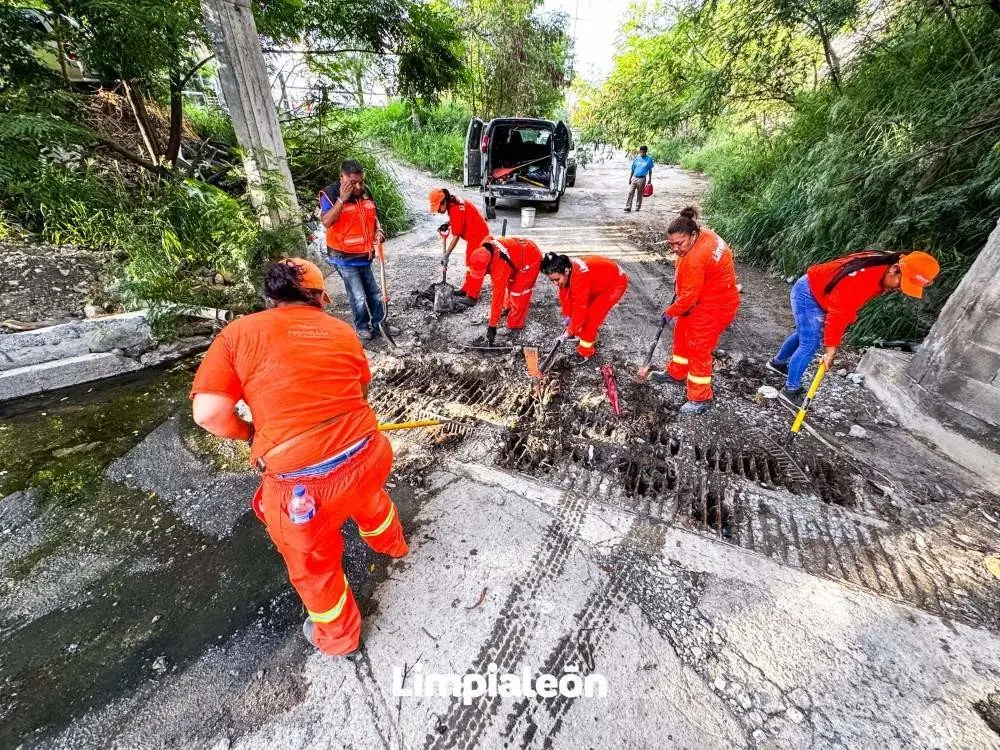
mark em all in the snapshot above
pixel 72 56
pixel 484 145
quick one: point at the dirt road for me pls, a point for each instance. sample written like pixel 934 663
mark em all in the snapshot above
pixel 731 592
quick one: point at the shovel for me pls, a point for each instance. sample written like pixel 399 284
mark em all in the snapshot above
pixel 444 292
pixel 531 359
pixel 643 372
pixel 810 395
pixel 383 326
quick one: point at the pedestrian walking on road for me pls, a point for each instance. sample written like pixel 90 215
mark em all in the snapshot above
pixel 588 289
pixel 706 300
pixel 350 216
pixel 465 223
pixel 828 298
pixel 642 172
pixel 513 264
pixel 314 438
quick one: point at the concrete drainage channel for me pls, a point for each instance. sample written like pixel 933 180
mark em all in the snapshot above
pixel 805 507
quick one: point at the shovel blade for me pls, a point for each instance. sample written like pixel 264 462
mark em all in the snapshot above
pixel 531 360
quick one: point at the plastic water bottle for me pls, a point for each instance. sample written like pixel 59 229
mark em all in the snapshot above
pixel 302 507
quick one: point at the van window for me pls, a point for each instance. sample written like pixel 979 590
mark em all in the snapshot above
pixel 529 135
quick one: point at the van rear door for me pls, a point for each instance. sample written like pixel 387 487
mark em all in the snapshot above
pixel 473 162
pixel 560 152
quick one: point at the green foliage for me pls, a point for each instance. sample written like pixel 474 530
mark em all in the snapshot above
pixel 437 145
pixel 906 154
pixel 211 124
pixel 517 59
pixel 316 148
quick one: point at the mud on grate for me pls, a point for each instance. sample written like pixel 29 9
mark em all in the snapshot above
pixel 751 492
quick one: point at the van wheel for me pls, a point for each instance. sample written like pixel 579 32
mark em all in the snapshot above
pixel 554 206
pixel 491 208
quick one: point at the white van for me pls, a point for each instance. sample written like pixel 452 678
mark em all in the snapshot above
pixel 517 158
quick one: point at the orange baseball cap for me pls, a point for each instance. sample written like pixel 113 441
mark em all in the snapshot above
pixel 437 197
pixel 917 269
pixel 312 277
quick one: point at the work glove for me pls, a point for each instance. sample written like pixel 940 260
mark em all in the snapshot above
pixel 565 321
pixel 491 335
pixel 668 319
pixel 463 302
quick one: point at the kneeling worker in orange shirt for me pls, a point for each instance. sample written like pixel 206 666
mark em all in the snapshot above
pixel 588 289
pixel 513 264
pixel 314 437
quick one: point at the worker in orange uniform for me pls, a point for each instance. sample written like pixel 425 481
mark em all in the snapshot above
pixel 513 264
pixel 588 289
pixel 314 437
pixel 466 223
pixel 706 301
pixel 828 298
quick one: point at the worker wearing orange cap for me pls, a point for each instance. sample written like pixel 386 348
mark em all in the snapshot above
pixel 705 303
pixel 314 437
pixel 588 289
pixel 513 264
pixel 465 223
pixel 828 298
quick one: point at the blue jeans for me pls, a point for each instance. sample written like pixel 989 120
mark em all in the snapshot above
pixel 364 295
pixel 807 338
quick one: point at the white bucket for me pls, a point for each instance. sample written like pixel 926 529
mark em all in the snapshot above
pixel 527 218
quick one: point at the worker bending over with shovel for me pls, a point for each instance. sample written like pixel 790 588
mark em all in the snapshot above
pixel 828 298
pixel 305 378
pixel 588 289
pixel 466 223
pixel 512 264
pixel 706 301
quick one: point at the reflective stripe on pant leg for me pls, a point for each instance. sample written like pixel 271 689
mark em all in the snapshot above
pixel 334 612
pixel 382 526
pixel 585 348
pixel 677 367
pixel 370 505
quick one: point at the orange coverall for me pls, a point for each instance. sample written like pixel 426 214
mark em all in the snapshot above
pixel 303 375
pixel 466 222
pixel 706 303
pixel 595 286
pixel 513 268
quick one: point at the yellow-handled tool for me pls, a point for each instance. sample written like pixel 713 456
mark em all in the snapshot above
pixel 390 426
pixel 810 395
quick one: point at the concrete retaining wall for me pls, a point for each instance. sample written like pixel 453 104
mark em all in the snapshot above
pixel 82 351
pixel 128 332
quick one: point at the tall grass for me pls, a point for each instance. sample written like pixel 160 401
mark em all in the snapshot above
pixel 906 156
pixel 436 146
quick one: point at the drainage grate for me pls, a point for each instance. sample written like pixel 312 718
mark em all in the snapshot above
pixel 744 488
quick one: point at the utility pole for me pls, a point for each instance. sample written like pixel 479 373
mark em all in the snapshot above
pixel 247 92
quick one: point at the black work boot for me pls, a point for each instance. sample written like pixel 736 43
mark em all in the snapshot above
pixel 779 368
pixel 576 359
pixel 662 377
pixel 793 396
pixel 695 407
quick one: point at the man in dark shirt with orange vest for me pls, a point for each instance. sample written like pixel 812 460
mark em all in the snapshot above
pixel 828 298
pixel 350 216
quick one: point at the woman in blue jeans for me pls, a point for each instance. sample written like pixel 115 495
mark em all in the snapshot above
pixel 828 298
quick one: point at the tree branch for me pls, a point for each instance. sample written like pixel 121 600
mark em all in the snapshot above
pixel 128 156
pixel 196 68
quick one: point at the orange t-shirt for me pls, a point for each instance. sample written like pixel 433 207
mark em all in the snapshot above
pixel 296 367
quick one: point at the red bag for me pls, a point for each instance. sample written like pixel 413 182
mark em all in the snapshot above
pixel 647 189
